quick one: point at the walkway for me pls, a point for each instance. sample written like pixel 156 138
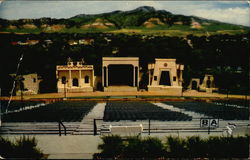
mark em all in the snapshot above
pixel 86 125
pixel 172 108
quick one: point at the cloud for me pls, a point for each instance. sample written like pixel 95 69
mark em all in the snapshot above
pixel 231 15
pixel 236 12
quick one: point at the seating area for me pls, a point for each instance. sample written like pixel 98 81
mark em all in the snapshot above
pixel 16 105
pixel 116 111
pixel 225 112
pixel 71 111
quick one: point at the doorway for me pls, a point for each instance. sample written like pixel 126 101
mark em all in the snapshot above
pixel 165 78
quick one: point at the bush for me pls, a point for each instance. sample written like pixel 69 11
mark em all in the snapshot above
pixel 174 147
pixel 24 147
pixel 112 146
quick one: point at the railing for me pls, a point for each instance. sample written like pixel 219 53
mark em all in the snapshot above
pixel 59 126
pixel 95 126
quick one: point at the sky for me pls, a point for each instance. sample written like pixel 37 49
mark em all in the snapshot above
pixel 235 12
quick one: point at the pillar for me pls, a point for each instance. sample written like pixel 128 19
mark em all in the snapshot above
pixel 137 77
pixel 103 76
pixel 80 78
pixel 92 79
pixel 70 79
pixel 107 75
pixel 134 76
pixel 149 76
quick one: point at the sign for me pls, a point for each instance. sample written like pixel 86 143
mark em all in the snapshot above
pixel 209 123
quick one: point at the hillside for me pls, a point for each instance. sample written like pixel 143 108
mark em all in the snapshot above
pixel 142 20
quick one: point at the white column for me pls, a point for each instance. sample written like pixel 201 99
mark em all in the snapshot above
pixel 80 78
pixel 107 75
pixel 181 78
pixel 70 79
pixel 149 77
pixel 138 76
pixel 92 80
pixel 103 76
pixel 134 76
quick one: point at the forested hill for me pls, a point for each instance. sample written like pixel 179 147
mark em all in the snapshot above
pixel 224 56
pixel 145 20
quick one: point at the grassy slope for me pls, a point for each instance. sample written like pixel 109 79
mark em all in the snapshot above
pixel 174 30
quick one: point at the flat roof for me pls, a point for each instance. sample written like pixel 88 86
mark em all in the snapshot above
pixel 120 58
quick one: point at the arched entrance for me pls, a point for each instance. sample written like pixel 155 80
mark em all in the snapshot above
pixel 194 85
pixel 120 75
pixel 209 83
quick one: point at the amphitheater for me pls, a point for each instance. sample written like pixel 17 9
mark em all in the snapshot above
pixel 79 114
pixel 88 116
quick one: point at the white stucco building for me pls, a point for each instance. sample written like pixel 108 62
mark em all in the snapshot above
pixel 165 75
pixel 75 77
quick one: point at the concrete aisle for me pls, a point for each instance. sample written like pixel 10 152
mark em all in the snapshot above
pixel 66 147
pixel 175 109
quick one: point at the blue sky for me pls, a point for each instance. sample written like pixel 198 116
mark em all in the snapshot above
pixel 236 12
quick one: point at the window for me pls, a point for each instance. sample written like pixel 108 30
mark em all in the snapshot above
pixel 63 80
pixel 75 82
pixel 155 78
pixel 174 78
pixel 86 79
pixel 34 80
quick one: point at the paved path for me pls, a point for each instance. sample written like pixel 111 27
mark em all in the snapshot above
pixel 172 108
pixel 86 125
pixel 96 113
pixel 66 147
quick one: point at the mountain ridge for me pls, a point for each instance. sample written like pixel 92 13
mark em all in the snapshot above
pixel 157 20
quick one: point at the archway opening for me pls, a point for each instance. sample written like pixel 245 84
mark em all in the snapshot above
pixel 165 78
pixel 194 85
pixel 120 75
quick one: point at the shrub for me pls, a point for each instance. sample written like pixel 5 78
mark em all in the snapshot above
pixel 174 147
pixel 152 147
pixel 112 146
pixel 24 147
pixel 133 148
pixel 196 147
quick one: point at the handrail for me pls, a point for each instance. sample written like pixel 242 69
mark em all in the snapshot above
pixel 59 126
pixel 95 126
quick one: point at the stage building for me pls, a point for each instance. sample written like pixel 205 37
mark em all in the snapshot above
pixel 120 73
pixel 165 75
pixel 75 77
